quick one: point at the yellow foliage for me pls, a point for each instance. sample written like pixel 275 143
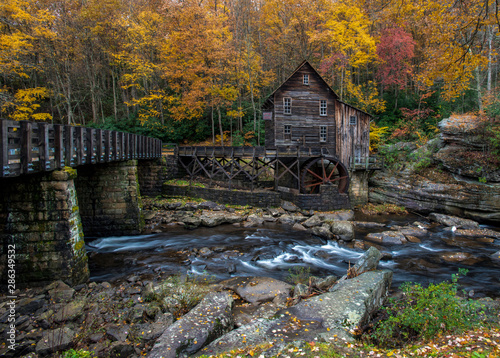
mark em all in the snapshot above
pixel 25 104
pixel 376 134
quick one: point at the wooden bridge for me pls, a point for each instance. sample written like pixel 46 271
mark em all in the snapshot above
pixel 29 147
pixel 297 168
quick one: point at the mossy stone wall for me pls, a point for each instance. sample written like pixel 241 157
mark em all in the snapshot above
pixel 110 201
pixel 39 214
pixel 358 187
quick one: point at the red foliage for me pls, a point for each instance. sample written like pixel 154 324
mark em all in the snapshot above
pixel 395 50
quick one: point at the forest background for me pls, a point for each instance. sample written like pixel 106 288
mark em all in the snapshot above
pixel 191 70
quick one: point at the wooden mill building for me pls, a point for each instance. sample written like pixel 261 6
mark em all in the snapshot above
pixel 304 111
pixel 316 146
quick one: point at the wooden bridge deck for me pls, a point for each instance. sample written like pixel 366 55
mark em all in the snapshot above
pixel 251 152
pixel 31 147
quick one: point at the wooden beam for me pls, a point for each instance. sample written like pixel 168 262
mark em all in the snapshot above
pixel 44 146
pixel 26 151
pixel 69 145
pixel 4 149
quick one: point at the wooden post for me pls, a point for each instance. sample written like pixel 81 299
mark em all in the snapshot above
pixel 122 146
pixel 4 149
pixel 114 146
pixel 26 153
pixel 80 145
pixel 69 145
pixel 58 145
pixel 127 146
pixel 99 150
pixel 107 146
pixel 90 140
pixel 44 147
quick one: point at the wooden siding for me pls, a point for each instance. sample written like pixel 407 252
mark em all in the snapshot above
pixel 352 140
pixel 305 119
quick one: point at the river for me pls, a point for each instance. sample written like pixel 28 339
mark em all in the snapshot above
pixel 277 251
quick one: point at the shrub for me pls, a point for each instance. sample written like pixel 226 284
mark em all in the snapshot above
pixel 426 312
pixel 80 353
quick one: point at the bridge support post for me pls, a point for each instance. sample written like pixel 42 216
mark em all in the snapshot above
pixel 110 201
pixel 40 223
pixel 358 187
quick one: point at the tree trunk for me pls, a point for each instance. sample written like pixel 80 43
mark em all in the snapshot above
pixel 220 127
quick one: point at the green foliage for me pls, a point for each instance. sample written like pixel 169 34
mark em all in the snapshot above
pixel 299 274
pixel 425 313
pixel 80 353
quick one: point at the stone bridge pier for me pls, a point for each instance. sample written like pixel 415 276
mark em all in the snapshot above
pixel 45 216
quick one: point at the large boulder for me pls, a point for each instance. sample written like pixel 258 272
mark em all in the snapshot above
pixel 368 261
pixel 210 319
pixel 348 306
pixel 331 316
pixel 323 231
pixel 343 229
pixel 257 289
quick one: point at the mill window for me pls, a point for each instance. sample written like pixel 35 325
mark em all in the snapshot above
pixel 322 107
pixel 353 120
pixel 287 131
pixel 287 105
pixel 322 133
pixel 306 79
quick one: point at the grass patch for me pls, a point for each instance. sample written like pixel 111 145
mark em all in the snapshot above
pixel 383 209
pixel 180 182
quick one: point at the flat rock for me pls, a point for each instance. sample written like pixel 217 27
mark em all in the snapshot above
pixel 368 224
pixel 257 289
pixel 59 291
pixel 478 233
pixel 462 257
pixel 70 312
pixel 55 340
pixel 210 319
pixel 413 231
pixel 387 237
pixel 459 223
pixel 117 332
pixel 290 207
pixel 298 227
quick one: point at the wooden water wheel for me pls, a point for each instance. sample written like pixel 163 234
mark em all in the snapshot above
pixel 323 170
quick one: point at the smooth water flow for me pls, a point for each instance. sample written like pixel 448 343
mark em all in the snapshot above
pixel 276 251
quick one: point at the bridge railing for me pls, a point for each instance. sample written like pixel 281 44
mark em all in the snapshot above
pixel 30 147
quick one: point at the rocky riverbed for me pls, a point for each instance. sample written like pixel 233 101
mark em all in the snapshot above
pixel 154 314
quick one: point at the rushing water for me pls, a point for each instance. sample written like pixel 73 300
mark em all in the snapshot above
pixel 276 251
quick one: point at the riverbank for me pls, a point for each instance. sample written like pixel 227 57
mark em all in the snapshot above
pixel 126 317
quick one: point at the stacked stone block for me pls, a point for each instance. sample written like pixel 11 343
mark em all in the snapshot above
pixel 110 202
pixel 151 174
pixel 358 187
pixel 39 214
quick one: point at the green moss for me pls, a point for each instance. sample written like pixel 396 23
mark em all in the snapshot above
pixel 79 245
pixel 71 172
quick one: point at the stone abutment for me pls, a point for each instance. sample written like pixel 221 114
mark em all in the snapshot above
pixel 44 217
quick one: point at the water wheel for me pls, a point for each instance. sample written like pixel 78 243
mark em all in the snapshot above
pixel 323 170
